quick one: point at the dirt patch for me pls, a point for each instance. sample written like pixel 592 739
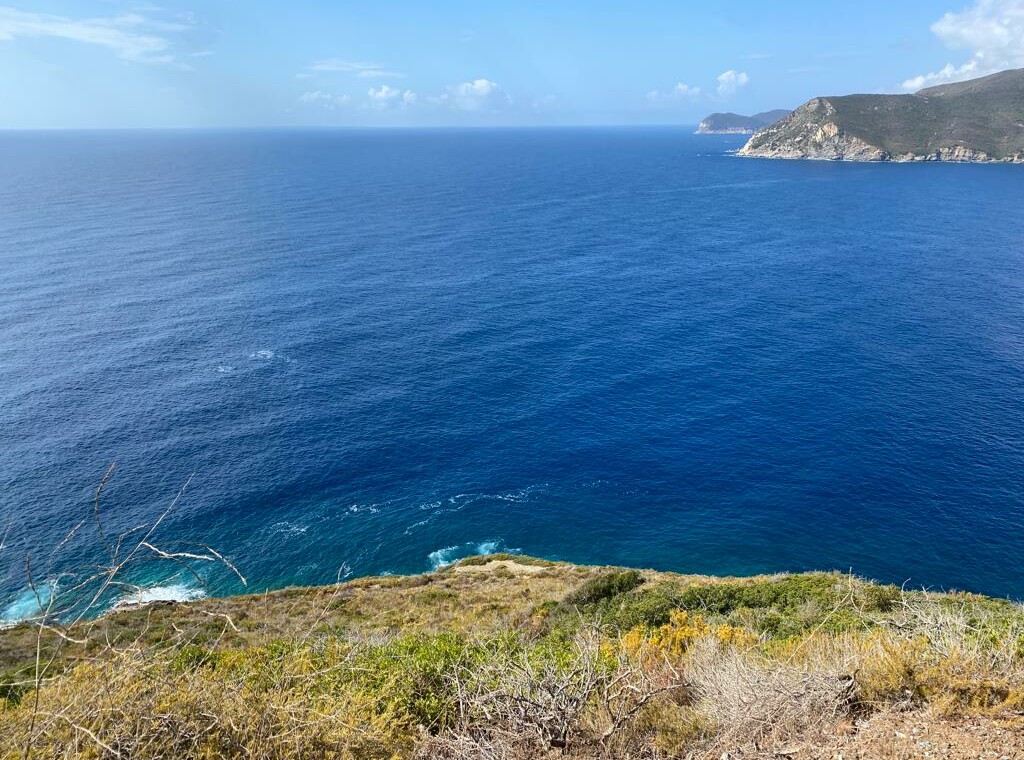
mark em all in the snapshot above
pixel 920 735
pixel 506 565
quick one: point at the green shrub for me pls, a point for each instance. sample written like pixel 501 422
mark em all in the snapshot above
pixel 879 598
pixel 413 671
pixel 605 587
pixel 785 593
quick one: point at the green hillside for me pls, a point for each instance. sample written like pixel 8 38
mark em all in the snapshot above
pixel 982 119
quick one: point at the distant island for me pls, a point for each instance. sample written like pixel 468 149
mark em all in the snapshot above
pixel 735 124
pixel 981 120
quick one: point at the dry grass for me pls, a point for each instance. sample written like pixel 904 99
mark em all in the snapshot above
pixel 499 659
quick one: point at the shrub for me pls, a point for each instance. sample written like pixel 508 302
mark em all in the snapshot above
pixel 605 587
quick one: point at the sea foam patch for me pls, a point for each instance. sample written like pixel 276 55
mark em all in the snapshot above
pixel 171 592
pixel 25 606
pixel 451 554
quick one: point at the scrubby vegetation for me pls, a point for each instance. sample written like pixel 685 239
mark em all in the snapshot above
pixel 505 657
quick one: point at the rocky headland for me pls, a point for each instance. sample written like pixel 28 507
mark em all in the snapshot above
pixel 981 120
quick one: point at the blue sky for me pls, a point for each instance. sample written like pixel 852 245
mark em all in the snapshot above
pixel 222 63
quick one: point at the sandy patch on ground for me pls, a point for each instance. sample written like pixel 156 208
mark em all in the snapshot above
pixel 507 565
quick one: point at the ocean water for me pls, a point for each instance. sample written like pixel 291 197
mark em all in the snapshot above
pixel 379 351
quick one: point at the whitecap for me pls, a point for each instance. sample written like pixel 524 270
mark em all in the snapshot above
pixel 262 355
pixel 225 368
pixel 415 525
pixel 288 528
pixel 452 554
pixel 442 557
pixel 171 592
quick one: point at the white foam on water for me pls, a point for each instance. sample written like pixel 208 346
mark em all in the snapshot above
pixel 288 528
pixel 171 592
pixel 263 355
pixel 225 368
pixel 442 557
pixel 452 554
pixel 415 525
pixel 25 606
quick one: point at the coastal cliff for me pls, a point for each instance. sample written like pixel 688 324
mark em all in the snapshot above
pixel 977 121
pixel 516 658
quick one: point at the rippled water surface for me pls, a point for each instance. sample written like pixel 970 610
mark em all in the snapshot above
pixel 380 351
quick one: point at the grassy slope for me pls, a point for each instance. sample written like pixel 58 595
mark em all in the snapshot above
pixel 985 114
pixel 370 668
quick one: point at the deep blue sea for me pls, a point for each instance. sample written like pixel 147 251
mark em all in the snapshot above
pixel 378 351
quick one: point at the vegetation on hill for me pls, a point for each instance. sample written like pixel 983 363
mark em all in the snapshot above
pixel 979 120
pixel 509 657
pixel 734 123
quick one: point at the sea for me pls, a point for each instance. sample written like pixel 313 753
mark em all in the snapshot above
pixel 370 352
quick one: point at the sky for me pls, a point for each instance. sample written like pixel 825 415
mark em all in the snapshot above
pixel 68 64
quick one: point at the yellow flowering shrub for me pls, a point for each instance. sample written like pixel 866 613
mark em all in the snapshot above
pixel 676 636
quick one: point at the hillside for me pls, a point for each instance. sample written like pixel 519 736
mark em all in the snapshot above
pixel 735 124
pixel 514 658
pixel 979 120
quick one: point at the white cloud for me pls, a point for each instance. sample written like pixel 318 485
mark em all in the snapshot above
pixel 324 99
pixel 356 68
pixel 131 37
pixel 991 30
pixel 391 97
pixel 478 95
pixel 729 82
pixel 680 92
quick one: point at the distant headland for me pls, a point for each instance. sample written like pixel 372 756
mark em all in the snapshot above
pixel 735 124
pixel 981 120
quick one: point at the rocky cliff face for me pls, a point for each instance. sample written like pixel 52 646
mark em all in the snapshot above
pixel 811 132
pixel 982 122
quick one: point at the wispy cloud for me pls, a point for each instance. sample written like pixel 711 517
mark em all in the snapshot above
pixel 132 37
pixel 356 68
pixel 730 82
pixel 681 91
pixel 324 99
pixel 992 31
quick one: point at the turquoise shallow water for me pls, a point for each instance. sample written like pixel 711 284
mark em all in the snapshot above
pixel 380 351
